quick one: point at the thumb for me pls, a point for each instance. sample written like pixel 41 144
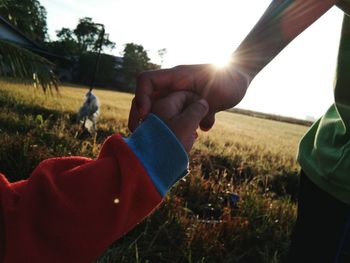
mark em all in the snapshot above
pixel 192 115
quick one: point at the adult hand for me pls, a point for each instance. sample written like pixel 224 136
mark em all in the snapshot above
pixel 223 88
pixel 182 111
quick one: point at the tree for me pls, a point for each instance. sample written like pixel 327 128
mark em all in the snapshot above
pixel 26 15
pixel 66 45
pixel 161 53
pixel 82 46
pixel 86 37
pixel 89 34
pixel 106 72
pixel 18 62
pixel 26 66
pixel 135 60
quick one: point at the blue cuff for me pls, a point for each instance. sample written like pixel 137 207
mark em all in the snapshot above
pixel 160 152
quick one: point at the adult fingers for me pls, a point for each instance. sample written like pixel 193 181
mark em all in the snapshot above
pixel 142 102
pixel 149 85
pixel 207 123
pixel 152 85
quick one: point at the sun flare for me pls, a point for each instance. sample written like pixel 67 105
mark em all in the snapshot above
pixel 222 61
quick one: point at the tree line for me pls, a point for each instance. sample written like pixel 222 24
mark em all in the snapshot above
pixel 80 47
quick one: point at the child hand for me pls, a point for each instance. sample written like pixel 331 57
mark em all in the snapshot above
pixel 182 111
pixel 222 88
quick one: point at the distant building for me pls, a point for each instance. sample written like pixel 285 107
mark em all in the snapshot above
pixel 74 68
pixel 11 34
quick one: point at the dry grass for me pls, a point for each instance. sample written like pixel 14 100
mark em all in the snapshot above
pixel 199 221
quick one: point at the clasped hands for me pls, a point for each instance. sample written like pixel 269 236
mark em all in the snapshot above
pixel 187 97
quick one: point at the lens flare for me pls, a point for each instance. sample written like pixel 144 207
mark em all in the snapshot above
pixel 222 62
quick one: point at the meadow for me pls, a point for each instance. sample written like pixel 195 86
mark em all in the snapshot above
pixel 237 204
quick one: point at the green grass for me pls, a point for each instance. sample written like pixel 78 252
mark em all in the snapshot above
pixel 251 157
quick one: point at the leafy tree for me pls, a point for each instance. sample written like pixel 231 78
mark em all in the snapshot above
pixel 161 53
pixel 18 62
pixel 106 72
pixel 66 45
pixel 81 45
pixel 89 36
pixel 26 66
pixel 86 37
pixel 135 60
pixel 28 16
pixel 65 34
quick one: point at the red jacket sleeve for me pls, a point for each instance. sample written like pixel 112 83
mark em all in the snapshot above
pixel 71 209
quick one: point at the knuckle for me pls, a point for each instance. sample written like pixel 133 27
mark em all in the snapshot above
pixel 142 76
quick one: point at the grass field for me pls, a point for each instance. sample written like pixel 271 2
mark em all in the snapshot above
pixel 200 220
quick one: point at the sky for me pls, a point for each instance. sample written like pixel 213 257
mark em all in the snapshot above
pixel 297 83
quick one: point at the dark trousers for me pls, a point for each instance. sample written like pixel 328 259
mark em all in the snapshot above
pixel 322 230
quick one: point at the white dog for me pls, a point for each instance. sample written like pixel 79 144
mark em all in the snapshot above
pixel 89 112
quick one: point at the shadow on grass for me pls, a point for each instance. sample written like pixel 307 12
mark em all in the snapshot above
pixel 10 104
pixel 31 133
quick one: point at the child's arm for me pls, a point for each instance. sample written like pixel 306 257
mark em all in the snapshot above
pixel 71 209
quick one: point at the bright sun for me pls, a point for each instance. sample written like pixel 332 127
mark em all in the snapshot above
pixel 222 60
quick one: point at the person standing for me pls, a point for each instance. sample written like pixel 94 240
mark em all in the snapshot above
pixel 322 229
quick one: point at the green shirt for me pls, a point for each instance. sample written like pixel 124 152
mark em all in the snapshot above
pixel 324 152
